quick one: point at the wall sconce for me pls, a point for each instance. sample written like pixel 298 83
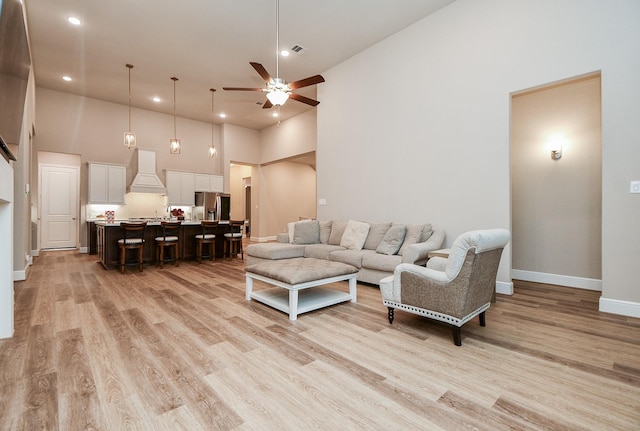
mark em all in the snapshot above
pixel 554 145
pixel 556 151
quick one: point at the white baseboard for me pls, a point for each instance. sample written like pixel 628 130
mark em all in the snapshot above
pixel 35 253
pixel 505 288
pixel 616 306
pixel 560 280
pixel 84 250
pixel 21 275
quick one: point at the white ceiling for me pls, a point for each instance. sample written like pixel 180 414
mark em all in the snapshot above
pixel 206 44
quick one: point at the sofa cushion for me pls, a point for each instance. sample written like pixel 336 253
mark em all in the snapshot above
pixel 306 233
pixel 337 229
pixel 376 234
pixel 392 240
pixel 325 231
pixel 320 251
pixel 380 262
pixel 291 228
pixel 415 233
pixel 350 257
pixel 355 234
pixel 275 251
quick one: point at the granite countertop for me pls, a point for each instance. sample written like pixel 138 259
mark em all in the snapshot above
pixel 152 222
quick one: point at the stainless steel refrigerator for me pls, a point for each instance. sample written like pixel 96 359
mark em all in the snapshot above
pixel 213 206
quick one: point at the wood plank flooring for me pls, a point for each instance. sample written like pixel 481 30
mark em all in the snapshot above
pixel 179 348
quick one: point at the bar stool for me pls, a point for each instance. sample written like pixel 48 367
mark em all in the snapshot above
pixel 208 237
pixel 233 239
pixel 170 238
pixel 132 239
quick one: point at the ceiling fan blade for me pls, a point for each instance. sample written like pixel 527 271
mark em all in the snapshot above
pixel 241 89
pixel 267 104
pixel 303 99
pixel 261 71
pixel 312 80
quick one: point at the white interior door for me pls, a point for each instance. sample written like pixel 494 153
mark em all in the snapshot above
pixel 59 213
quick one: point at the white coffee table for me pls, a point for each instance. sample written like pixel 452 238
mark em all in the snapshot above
pixel 298 284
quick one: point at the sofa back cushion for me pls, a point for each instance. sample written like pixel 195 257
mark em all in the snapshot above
pixel 306 232
pixel 376 234
pixel 392 240
pixel 325 231
pixel 355 234
pixel 415 234
pixel 337 230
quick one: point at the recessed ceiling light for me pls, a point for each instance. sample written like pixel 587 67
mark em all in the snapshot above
pixel 284 53
pixel 74 20
pixel 223 115
pixel 156 99
pixel 275 114
pixel 67 78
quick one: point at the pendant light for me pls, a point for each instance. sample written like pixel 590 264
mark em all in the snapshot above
pixel 129 136
pixel 174 144
pixel 212 149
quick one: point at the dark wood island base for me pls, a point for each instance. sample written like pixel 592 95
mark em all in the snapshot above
pixel 108 235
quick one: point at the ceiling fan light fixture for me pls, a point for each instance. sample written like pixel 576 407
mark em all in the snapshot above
pixel 277 97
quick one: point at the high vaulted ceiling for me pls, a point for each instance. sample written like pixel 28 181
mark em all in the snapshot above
pixel 205 44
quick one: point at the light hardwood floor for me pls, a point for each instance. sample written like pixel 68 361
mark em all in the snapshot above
pixel 181 349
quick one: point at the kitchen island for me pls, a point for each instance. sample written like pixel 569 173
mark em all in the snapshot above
pixel 108 234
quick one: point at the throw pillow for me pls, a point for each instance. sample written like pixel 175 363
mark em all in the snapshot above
pixel 413 236
pixel 306 233
pixel 392 240
pixel 337 229
pixel 355 234
pixel 376 234
pixel 325 231
pixel 426 232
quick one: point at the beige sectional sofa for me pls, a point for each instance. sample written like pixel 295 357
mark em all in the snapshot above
pixel 374 248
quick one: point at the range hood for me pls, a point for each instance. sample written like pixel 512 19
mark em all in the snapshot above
pixel 145 179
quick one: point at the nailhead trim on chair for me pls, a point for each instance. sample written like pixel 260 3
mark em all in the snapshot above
pixel 437 316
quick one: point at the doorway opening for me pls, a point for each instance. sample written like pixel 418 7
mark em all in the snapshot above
pixel 556 183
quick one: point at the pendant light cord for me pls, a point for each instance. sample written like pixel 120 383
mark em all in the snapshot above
pixel 174 107
pixel 212 94
pixel 129 66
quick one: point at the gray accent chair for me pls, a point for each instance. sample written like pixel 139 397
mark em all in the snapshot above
pixel 452 290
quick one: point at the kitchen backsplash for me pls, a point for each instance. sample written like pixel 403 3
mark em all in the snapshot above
pixel 138 205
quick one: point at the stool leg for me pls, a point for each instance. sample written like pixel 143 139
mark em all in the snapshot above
pixel 123 257
pixel 177 251
pixel 140 259
pixel 199 251
pixel 161 245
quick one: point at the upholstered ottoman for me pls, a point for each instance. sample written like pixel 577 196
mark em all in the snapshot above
pixel 297 284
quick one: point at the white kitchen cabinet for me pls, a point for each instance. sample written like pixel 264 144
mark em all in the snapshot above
pixel 209 183
pixel 181 187
pixel 107 183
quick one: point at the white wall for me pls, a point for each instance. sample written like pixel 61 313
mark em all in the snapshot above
pixel 416 128
pixel 291 138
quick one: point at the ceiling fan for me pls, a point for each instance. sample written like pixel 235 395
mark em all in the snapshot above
pixel 277 89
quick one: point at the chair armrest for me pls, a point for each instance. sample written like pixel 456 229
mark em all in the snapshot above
pixel 391 291
pixel 437 263
pixel 417 254
pixel 283 238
